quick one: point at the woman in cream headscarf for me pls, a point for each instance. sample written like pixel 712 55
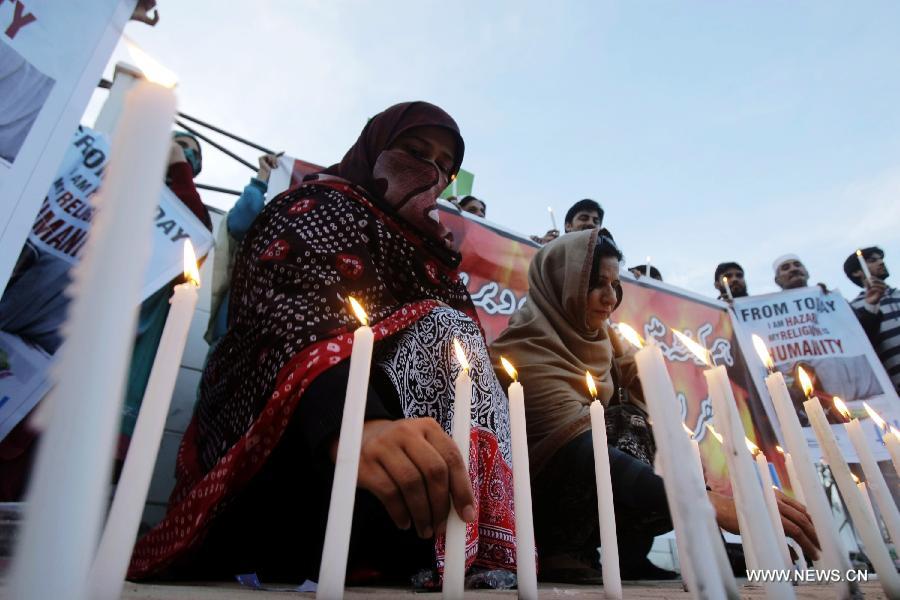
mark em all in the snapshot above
pixel 561 332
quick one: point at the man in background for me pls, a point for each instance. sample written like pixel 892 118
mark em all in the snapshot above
pixel 732 275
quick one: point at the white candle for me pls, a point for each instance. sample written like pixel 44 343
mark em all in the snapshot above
pixel 647 268
pixel 526 568
pixel 875 479
pixel 805 479
pixel 552 217
pixel 455 542
pixel 864 492
pixel 114 552
pixel 609 545
pixel 727 288
pixel 685 490
pixel 865 525
pixel 333 570
pixel 765 478
pixel 744 479
pixel 892 441
pixel 70 480
pixel 867 275
pixel 793 481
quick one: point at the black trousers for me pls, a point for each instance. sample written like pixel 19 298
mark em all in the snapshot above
pixel 565 505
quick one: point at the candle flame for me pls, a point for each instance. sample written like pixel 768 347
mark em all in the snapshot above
pixel 628 332
pixel 855 479
pixel 191 273
pixel 150 67
pixel 715 433
pixel 460 355
pixel 875 417
pixel 859 253
pixel 780 449
pixel 725 280
pixel 358 310
pixel 842 408
pixel 590 384
pixel 763 352
pixel 509 368
pixel 687 430
pixel 550 209
pixel 753 448
pixel 695 348
pixel 805 381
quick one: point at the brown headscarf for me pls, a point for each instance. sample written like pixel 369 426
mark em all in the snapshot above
pixel 551 345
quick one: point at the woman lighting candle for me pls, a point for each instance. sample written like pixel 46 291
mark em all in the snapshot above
pixel 526 568
pixel 346 466
pixel 455 545
pixel 114 551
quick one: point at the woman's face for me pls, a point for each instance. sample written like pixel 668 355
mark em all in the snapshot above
pixel 602 298
pixel 414 170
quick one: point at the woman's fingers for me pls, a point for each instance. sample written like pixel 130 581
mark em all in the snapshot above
pixel 435 474
pixel 458 474
pixel 797 525
pixel 408 479
pixel 374 478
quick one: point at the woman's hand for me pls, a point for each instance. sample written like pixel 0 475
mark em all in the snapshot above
pixel 414 469
pixel 794 518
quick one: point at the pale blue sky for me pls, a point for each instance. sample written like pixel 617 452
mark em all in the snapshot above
pixel 708 130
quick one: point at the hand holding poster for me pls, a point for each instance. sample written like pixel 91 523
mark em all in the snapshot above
pixel 807 328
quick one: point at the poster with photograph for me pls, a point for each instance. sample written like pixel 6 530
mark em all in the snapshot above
pixel 819 332
pixel 52 55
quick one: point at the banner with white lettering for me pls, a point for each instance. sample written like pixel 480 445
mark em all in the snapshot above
pixel 52 55
pixel 819 332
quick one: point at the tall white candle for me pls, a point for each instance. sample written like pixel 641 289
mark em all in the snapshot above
pixel 727 288
pixel 833 555
pixel 111 562
pixel 647 268
pixel 685 490
pixel 609 545
pixel 867 275
pixel 768 488
pixel 552 217
pixel 793 481
pixel 744 479
pixel 865 525
pixel 864 493
pixel 526 568
pixel 875 478
pixel 892 441
pixel 333 570
pixel 70 480
pixel 454 582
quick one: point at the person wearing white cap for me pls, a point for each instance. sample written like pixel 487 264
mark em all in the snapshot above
pixel 790 272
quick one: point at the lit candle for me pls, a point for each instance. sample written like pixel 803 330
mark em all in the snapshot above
pixel 834 555
pixel 455 540
pixel 768 488
pixel 874 477
pixel 727 288
pixel 526 569
pixel 609 545
pixel 865 525
pixel 793 483
pixel 864 492
pixel 890 436
pixel 70 480
pixel 743 528
pixel 689 503
pixel 892 441
pixel 333 570
pixel 867 275
pixel 745 483
pixel 552 217
pixel 114 552
pixel 647 268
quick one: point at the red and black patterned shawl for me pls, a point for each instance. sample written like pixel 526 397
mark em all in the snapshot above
pixel 289 321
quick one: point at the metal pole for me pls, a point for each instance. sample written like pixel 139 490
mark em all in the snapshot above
pixel 217 146
pixel 225 133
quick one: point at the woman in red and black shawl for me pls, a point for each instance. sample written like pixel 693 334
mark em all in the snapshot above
pixel 255 466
